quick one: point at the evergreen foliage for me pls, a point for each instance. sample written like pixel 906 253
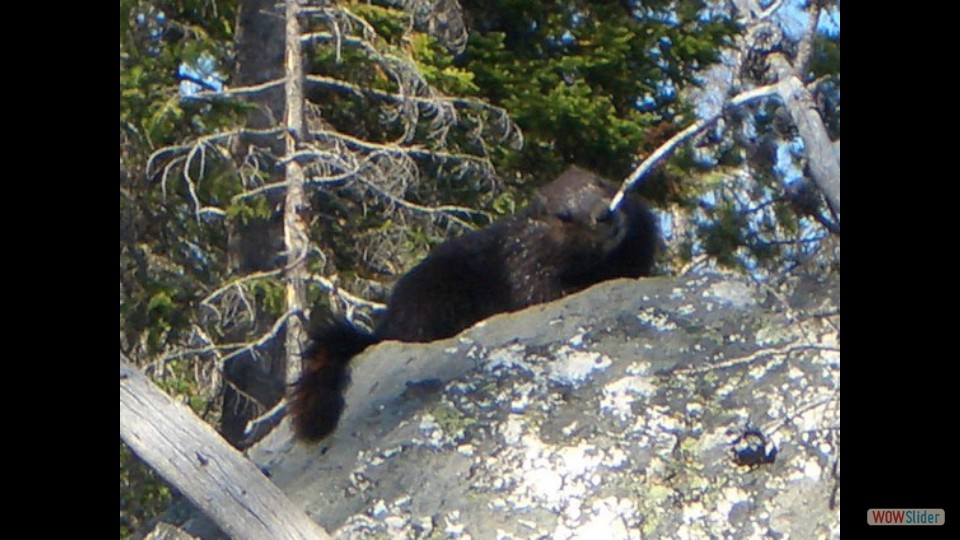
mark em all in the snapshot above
pixel 588 82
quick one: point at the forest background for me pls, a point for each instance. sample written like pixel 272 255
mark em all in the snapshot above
pixel 412 121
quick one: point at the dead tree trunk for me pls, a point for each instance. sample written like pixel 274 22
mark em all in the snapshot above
pixel 217 479
pixel 296 240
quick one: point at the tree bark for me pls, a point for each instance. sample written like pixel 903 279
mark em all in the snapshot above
pixel 217 479
pixel 260 58
pixel 296 239
pixel 822 159
pixel 255 382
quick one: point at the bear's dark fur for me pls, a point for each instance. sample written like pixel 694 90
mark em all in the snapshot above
pixel 567 240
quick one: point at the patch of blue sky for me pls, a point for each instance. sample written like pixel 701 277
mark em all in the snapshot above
pixel 205 70
pixel 793 18
pixel 787 165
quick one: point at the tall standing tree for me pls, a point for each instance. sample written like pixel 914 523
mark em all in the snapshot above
pixel 355 121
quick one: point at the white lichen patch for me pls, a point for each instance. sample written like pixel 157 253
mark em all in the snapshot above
pixel 383 519
pixel 638 368
pixel 396 524
pixel 693 512
pixel 577 340
pixel 543 485
pixel 733 293
pixel 812 470
pixel 509 357
pixel 655 429
pixel 431 431
pixel 620 395
pixel 377 458
pixel 574 366
pixel 453 528
pixel 475 352
pixel 603 525
pixel 725 388
pixel 830 340
pixel 795 373
pixel 730 497
pixel 812 418
pixel 805 470
pixel 615 459
pixel 379 508
pixel 776 404
pixel 770 336
pixel 655 319
pixel 831 357
pixel 523 396
pixel 586 458
pixel 570 428
pixel 612 518
pixel 573 511
pixel 532 473
pixel 735 338
pixel 713 441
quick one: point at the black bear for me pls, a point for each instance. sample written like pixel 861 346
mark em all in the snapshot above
pixel 565 241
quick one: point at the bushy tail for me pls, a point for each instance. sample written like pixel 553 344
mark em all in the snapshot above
pixel 317 399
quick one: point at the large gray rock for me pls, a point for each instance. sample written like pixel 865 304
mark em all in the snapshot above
pixel 608 414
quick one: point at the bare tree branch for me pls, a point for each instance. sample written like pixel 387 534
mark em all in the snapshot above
pixel 445 211
pixel 822 159
pixel 235 348
pixel 236 284
pixel 770 10
pixel 432 101
pixel 805 47
pixel 330 285
pixel 223 138
pixel 395 149
pixel 236 91
pixel 181 76
pixel 270 417
pixel 260 342
pixel 668 148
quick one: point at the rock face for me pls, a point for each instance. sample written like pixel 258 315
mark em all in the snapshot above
pixel 612 413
